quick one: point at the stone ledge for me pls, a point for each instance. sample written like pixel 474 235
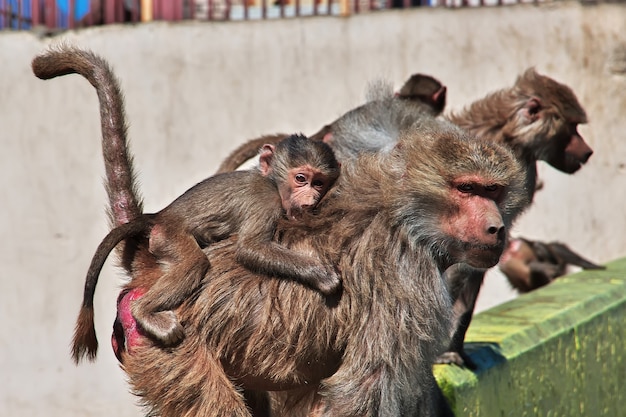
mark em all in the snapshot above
pixel 557 351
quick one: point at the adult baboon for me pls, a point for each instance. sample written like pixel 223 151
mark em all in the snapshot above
pixel 392 224
pixel 537 119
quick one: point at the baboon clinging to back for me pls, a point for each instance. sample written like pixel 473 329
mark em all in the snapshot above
pixel 293 176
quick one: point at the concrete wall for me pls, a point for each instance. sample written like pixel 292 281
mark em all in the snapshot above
pixel 555 352
pixel 196 90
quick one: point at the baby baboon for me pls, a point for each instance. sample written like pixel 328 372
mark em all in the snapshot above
pixel 293 176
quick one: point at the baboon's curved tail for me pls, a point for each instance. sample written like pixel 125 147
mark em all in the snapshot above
pixel 85 342
pixel 124 199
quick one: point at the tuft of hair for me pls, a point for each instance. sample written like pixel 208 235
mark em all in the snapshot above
pixel 378 89
pixel 85 342
pixel 299 150
pixel 551 93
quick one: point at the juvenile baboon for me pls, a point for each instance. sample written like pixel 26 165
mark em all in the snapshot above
pixel 293 175
pixel 421 94
pixel 529 264
pixel 423 88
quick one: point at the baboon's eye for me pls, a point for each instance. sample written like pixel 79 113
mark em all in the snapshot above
pixel 318 183
pixel 491 188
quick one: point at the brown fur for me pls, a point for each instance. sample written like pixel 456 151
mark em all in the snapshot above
pixel 529 264
pixel 124 197
pixel 537 119
pixel 293 174
pixel 248 150
pixel 367 351
pixel 85 342
pixel 120 182
pixel 420 93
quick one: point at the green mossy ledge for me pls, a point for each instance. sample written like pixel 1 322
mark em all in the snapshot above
pixel 557 351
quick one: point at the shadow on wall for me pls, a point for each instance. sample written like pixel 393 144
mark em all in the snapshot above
pixel 485 355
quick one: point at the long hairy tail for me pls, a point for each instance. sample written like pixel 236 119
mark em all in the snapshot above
pixel 85 342
pixel 124 199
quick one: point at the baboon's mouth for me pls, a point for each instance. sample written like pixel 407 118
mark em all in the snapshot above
pixel 483 256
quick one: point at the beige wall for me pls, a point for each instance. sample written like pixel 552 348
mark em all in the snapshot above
pixel 196 90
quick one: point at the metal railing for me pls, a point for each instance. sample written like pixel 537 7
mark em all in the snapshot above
pixel 70 14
